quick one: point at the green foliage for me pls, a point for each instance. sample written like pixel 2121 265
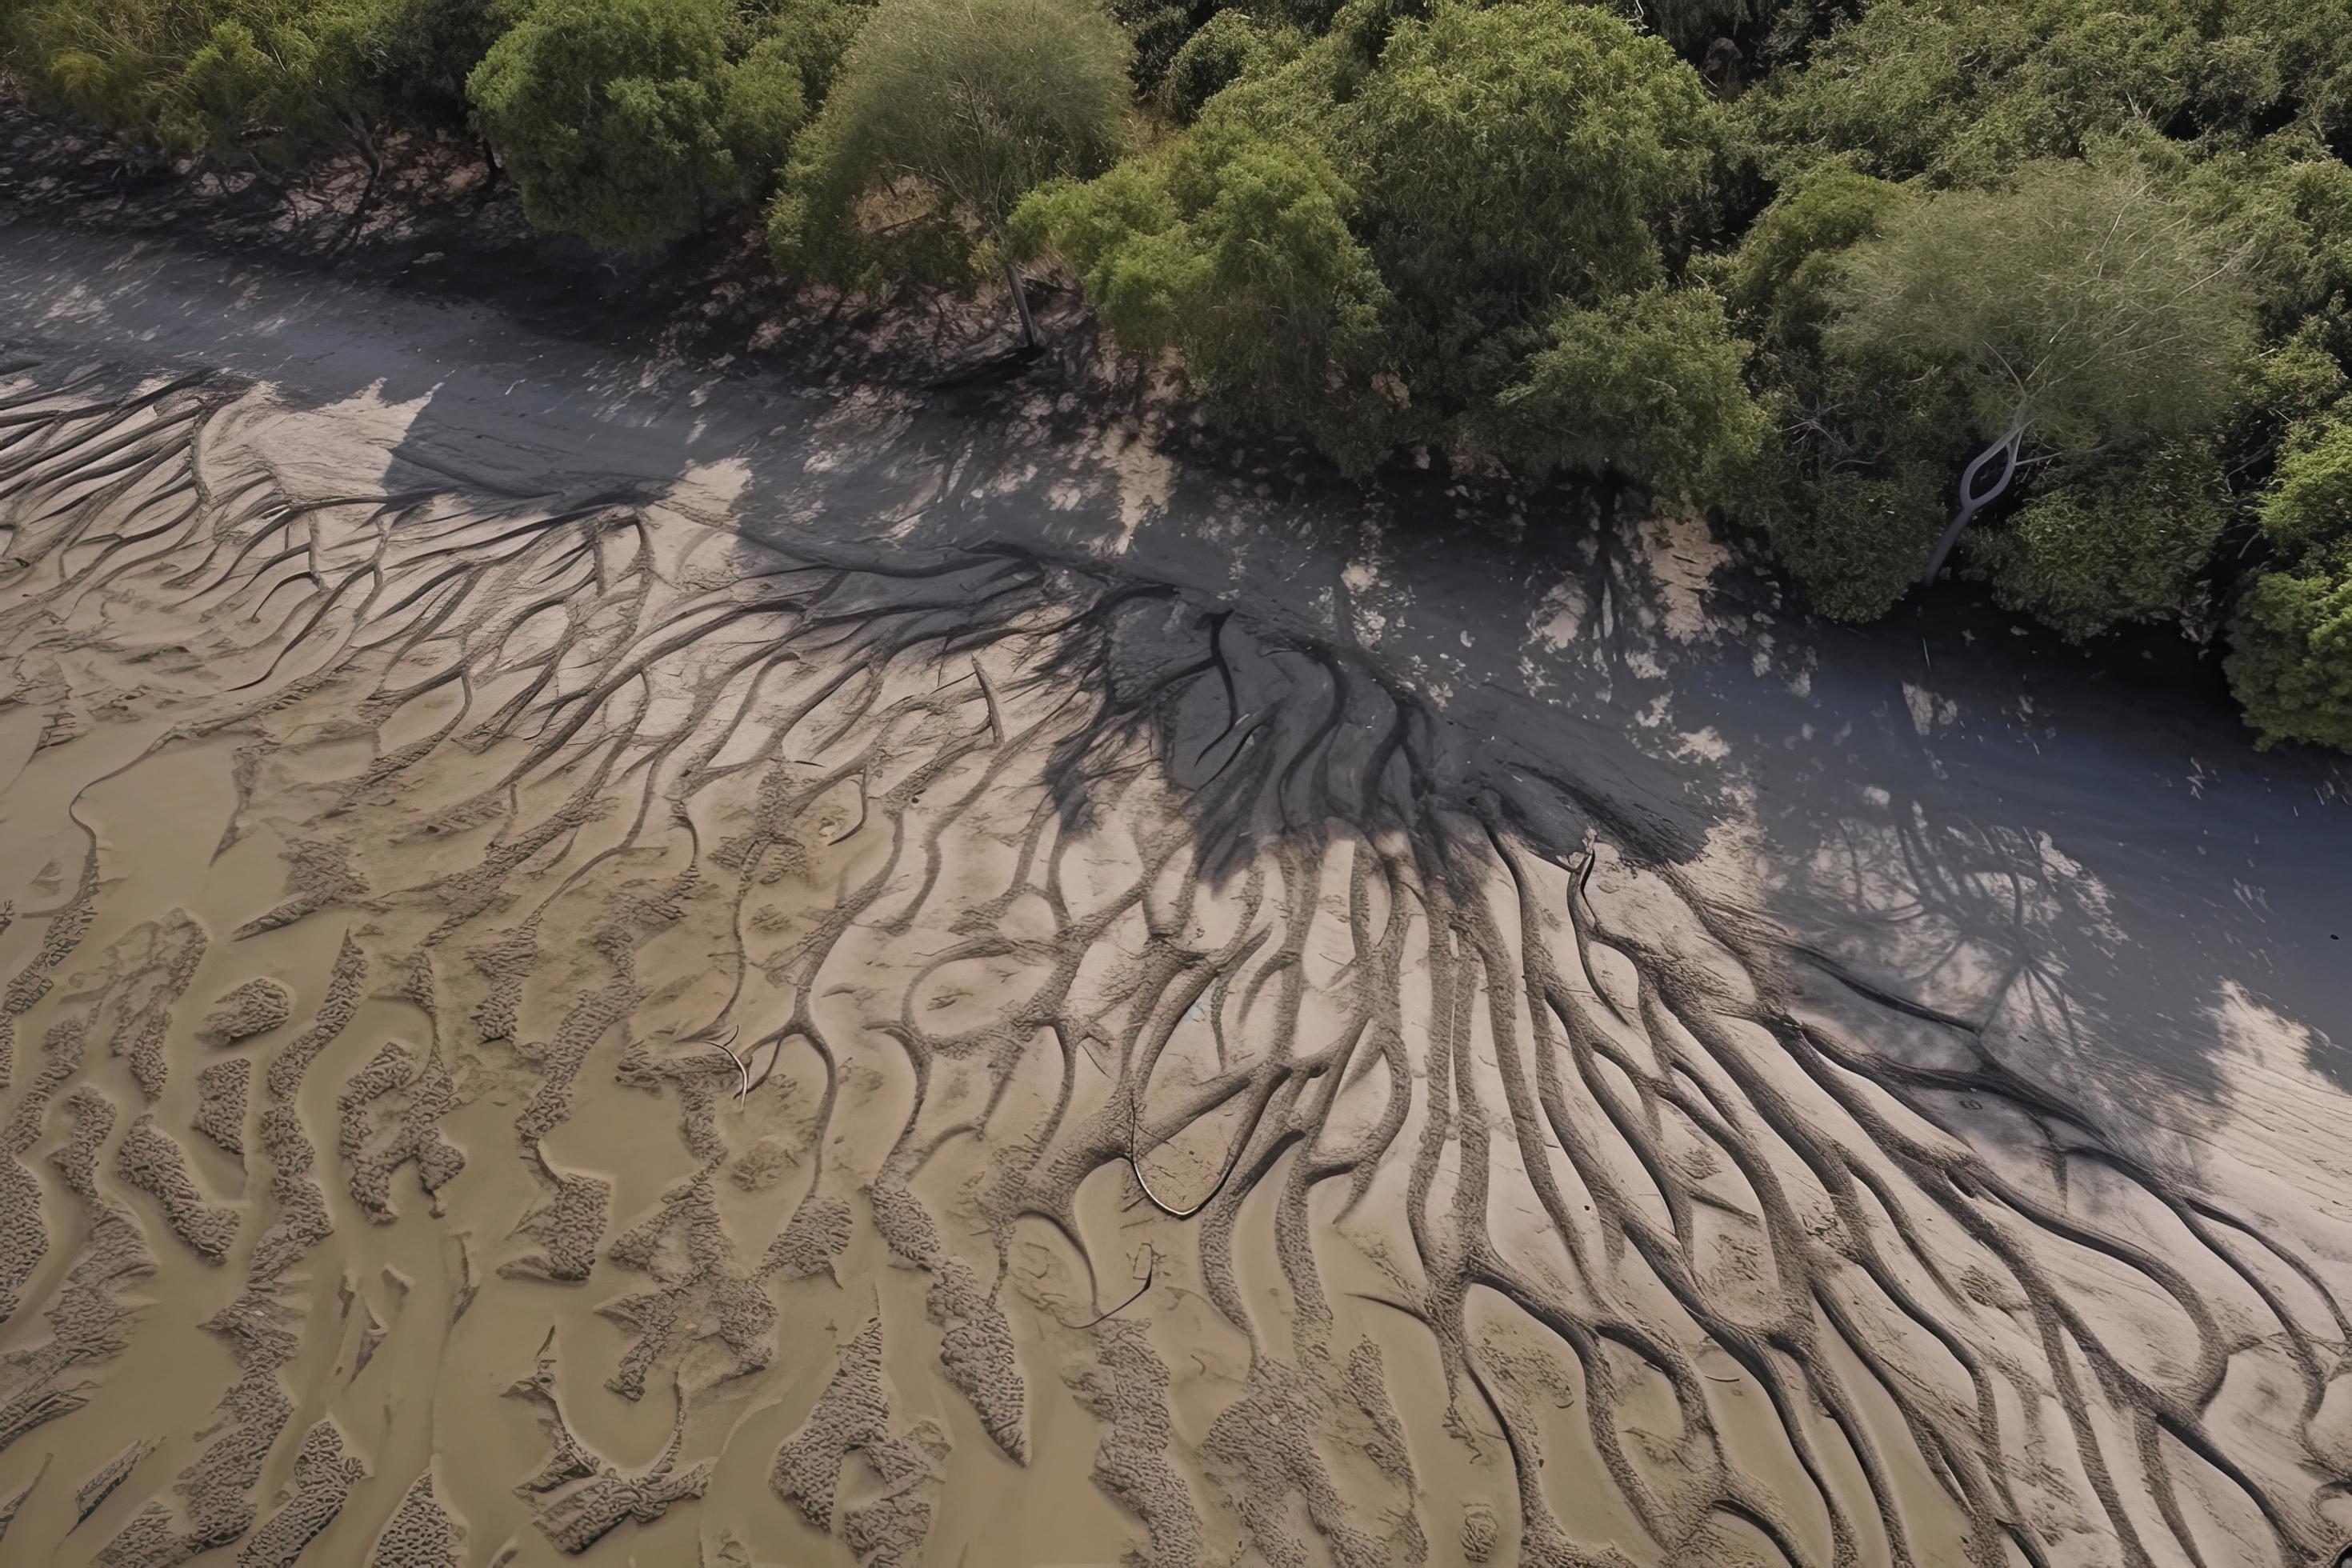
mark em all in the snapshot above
pixel 1854 539
pixel 2284 208
pixel 1212 58
pixel 274 80
pixel 762 107
pixel 2109 542
pixel 266 81
pixel 416 55
pixel 1964 91
pixel 814 35
pixel 1786 277
pixel 2100 215
pixel 2308 506
pixel 1158 30
pixel 2079 309
pixel 2291 660
pixel 939 122
pixel 231 80
pixel 117 62
pixel 611 115
pixel 1234 251
pixel 2081 306
pixel 2290 383
pixel 1513 155
pixel 1481 212
pixel 1853 487
pixel 1649 387
pixel 2296 57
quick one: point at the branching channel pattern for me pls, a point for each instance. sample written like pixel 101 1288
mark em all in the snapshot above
pixel 1429 1166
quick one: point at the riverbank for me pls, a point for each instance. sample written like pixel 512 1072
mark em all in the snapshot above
pixel 993 788
pixel 441 228
pixel 440 224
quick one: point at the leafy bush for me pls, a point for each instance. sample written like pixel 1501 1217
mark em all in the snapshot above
pixel 2291 664
pixel 610 116
pixel 1513 155
pixel 944 118
pixel 1962 91
pixel 2309 505
pixel 1785 279
pixel 1211 58
pixel 1649 387
pixel 1854 540
pixel 761 106
pixel 1234 251
pixel 2110 543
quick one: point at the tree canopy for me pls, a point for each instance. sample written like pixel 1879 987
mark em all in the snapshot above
pixel 2079 304
pixel 612 114
pixel 2291 667
pixel 945 114
pixel 2058 287
pixel 2076 316
pixel 1464 226
pixel 1513 160
pixel 1516 154
pixel 1233 250
pixel 1650 387
pixel 243 79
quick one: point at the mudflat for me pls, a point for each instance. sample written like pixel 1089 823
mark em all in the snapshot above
pixel 552 1018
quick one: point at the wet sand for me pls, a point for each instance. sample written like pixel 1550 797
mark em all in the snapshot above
pixel 550 1016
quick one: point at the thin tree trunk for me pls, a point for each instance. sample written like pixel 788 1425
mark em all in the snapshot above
pixel 1971 502
pixel 1021 304
pixel 367 200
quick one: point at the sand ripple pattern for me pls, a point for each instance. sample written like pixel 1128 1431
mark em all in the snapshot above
pixel 537 1027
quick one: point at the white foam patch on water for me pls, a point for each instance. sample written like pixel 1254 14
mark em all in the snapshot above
pixel 1704 745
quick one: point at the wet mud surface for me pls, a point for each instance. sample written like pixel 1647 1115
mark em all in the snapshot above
pixel 610 959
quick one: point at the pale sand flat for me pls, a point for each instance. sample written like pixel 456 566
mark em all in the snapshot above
pixel 539 1030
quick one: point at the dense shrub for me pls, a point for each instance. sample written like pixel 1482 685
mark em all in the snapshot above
pixel 611 115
